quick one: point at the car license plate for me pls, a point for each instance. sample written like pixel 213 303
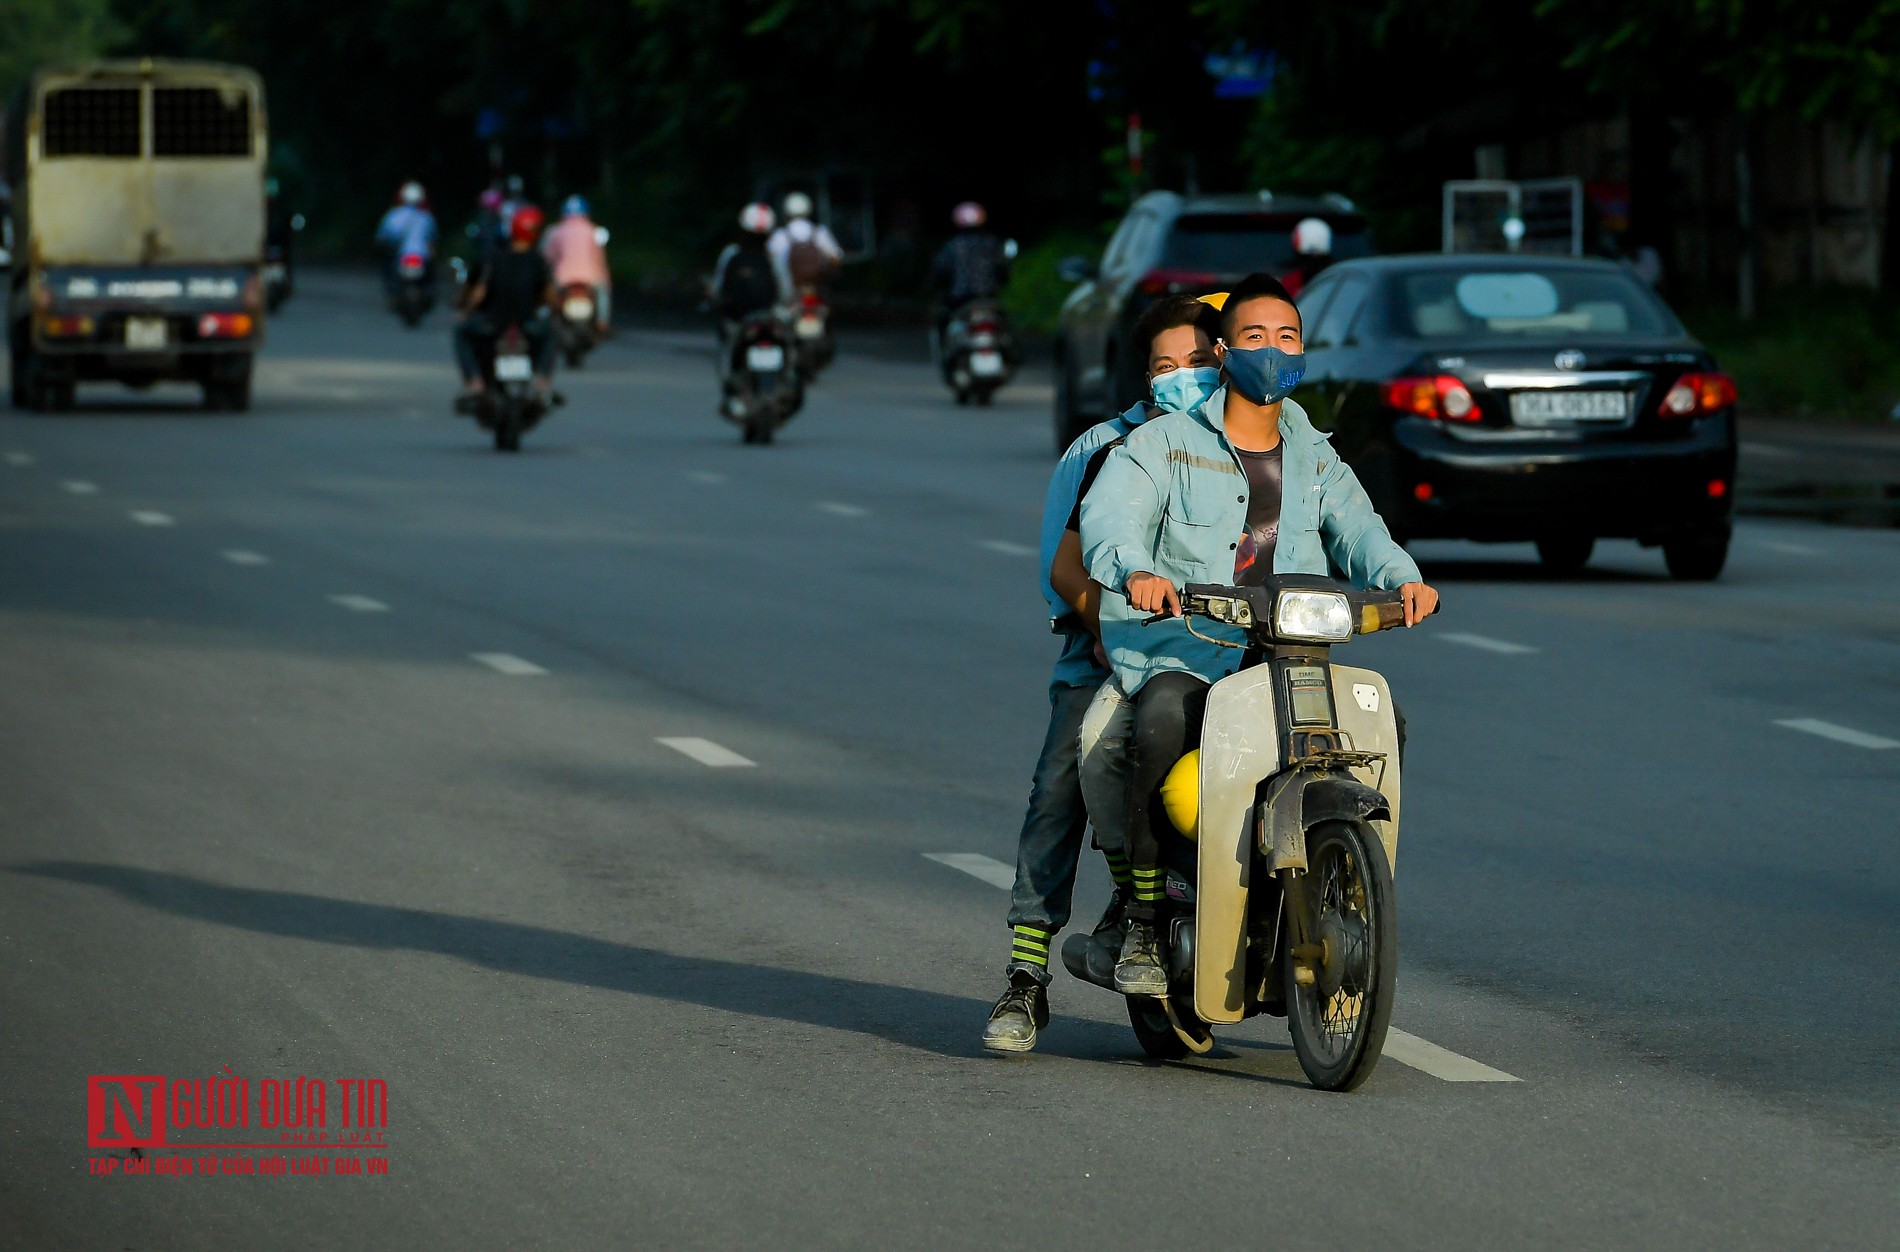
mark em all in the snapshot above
pixel 1542 408
pixel 810 328
pixel 145 333
pixel 765 358
pixel 986 364
pixel 513 369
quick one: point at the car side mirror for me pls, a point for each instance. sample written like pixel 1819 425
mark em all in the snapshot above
pixel 1075 269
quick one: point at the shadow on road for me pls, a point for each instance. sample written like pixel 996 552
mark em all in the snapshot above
pixel 926 1020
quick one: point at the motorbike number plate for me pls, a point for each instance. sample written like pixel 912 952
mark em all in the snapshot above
pixel 810 328
pixel 765 358
pixel 146 333
pixel 986 364
pixel 578 310
pixel 513 369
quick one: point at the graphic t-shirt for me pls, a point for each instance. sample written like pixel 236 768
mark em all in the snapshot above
pixel 1253 559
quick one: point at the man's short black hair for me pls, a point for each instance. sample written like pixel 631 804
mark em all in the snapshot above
pixel 1167 313
pixel 1252 287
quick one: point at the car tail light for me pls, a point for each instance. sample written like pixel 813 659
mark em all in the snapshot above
pixel 66 326
pixel 224 326
pixel 1696 395
pixel 1165 282
pixel 1423 492
pixel 1439 397
pixel 1718 487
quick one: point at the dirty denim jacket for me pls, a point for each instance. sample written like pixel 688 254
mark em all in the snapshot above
pixel 1076 666
pixel 1172 500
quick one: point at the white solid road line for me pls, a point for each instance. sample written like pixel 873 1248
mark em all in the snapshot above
pixel 1792 549
pixel 503 663
pixel 359 604
pixel 706 752
pixel 238 556
pixel 843 510
pixel 1768 451
pixel 1840 734
pixel 1440 1063
pixel 20 459
pixel 1420 1054
pixel 705 476
pixel 988 868
pixel 1485 643
pixel 146 517
pixel 1006 547
pixel 80 487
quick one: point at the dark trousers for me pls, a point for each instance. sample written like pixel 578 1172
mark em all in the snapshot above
pixel 475 342
pixel 1051 840
pixel 1168 711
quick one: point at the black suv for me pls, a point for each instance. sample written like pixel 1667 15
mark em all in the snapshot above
pixel 1170 243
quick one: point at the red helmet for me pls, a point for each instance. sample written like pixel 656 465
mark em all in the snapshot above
pixel 525 226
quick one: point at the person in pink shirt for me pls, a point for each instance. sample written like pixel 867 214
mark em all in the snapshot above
pixel 576 249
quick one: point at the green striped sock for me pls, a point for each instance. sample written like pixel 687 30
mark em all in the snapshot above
pixel 1148 884
pixel 1030 944
pixel 1118 869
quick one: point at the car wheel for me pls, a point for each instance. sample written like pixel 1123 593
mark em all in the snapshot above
pixel 1697 557
pixel 1566 554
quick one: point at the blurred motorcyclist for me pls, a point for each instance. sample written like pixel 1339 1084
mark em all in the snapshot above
pixel 1312 252
pixel 574 250
pixel 803 251
pixel 744 279
pixel 490 235
pixel 971 265
pixel 512 288
pixel 407 229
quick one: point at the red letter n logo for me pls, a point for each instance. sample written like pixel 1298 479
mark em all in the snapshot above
pixel 125 1111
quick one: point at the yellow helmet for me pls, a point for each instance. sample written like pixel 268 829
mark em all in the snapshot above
pixel 1181 793
pixel 1215 299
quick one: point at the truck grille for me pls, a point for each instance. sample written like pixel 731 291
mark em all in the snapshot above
pixel 200 122
pixel 90 121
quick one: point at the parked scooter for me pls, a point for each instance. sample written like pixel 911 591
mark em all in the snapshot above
pixel 760 380
pixel 412 292
pixel 576 328
pixel 1279 891
pixel 811 324
pixel 977 353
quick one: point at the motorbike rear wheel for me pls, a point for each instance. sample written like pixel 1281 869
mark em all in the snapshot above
pixel 507 437
pixel 1339 1021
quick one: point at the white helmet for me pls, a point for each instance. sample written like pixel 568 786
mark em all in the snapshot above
pixel 1313 237
pixel 797 204
pixel 969 215
pixel 757 219
pixel 411 193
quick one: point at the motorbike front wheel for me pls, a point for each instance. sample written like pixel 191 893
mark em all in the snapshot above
pixel 1339 1019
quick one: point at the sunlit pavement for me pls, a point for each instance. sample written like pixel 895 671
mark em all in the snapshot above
pixel 634 807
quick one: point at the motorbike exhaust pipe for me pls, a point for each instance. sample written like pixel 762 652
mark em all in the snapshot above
pixel 1089 960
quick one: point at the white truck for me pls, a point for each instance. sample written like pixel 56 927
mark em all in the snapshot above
pixel 138 226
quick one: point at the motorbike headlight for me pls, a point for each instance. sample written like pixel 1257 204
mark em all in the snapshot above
pixel 1317 616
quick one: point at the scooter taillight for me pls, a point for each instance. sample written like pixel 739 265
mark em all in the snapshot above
pixel 810 300
pixel 411 263
pixel 982 328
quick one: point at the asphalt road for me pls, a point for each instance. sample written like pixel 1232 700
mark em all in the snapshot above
pixel 333 744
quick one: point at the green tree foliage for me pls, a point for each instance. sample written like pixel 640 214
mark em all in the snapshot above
pixel 36 33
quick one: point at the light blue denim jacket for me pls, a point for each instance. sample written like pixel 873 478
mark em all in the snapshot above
pixel 1172 500
pixel 1076 666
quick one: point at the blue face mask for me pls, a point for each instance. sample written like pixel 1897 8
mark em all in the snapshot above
pixel 1264 375
pixel 1183 391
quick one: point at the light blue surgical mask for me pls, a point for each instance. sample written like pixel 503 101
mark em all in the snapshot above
pixel 1185 390
pixel 1264 375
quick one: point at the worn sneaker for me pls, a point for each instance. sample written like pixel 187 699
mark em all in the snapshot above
pixel 1022 1010
pixel 1139 972
pixel 1114 924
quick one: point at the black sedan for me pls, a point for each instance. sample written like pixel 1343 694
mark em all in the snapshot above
pixel 1513 398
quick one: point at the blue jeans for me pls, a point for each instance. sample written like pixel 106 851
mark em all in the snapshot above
pixel 1051 839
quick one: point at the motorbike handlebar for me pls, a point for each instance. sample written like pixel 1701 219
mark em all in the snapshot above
pixel 1372 611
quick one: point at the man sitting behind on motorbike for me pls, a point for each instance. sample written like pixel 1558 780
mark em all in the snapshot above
pixel 407 229
pixel 574 250
pixel 1176 335
pixel 512 288
pixel 803 251
pixel 1240 487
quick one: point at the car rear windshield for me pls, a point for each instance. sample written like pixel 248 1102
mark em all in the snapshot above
pixel 1530 302
pixel 1241 243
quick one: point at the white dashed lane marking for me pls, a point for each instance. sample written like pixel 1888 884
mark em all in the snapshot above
pixel 359 604
pixel 1007 548
pixel 706 752
pixel 19 460
pixel 1484 643
pixel 238 556
pixel 1792 549
pixel 80 487
pixel 705 476
pixel 504 663
pixel 1839 734
pixel 147 517
pixel 843 510
pixel 1768 451
pixel 1420 1054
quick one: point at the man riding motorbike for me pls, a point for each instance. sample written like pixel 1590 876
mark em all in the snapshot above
pixel 574 250
pixel 408 229
pixel 1176 335
pixel 744 279
pixel 513 288
pixel 1312 252
pixel 971 265
pixel 803 252
pixel 1242 485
